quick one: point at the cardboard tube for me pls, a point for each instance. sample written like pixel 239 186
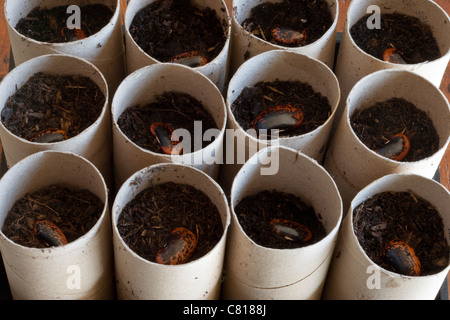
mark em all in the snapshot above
pixel 140 88
pixel 105 49
pixel 82 269
pixel 237 290
pixel 216 70
pixel 353 276
pixel 353 63
pixel 351 163
pixel 266 272
pixel 245 45
pixel 284 66
pixel 141 279
pixel 94 143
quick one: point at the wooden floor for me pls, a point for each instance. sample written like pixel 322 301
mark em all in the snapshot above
pixel 445 85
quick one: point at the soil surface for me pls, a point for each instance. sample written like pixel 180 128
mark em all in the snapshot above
pixel 167 28
pixel 146 222
pixel 408 34
pixel 377 124
pixel 180 110
pixel 46 25
pixel 255 213
pixel 263 95
pixel 69 103
pixel 405 216
pixel 75 212
pixel 313 16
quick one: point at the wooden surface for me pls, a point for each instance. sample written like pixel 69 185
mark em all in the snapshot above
pixel 343 4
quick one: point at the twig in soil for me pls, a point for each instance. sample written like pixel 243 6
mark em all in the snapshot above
pixel 262 32
pixel 214 47
pixel 275 90
pixel 413 196
pixel 42 204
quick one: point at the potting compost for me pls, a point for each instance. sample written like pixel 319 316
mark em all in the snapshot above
pixel 166 29
pixel 377 124
pixel 177 109
pixel 289 23
pixel 50 24
pixel 146 222
pixel 413 39
pixel 256 213
pixel 300 96
pixel 47 103
pixel 404 216
pixel 73 212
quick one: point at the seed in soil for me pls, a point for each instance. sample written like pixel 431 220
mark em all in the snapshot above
pixel 377 123
pixel 393 55
pixel 292 101
pixel 271 218
pixel 147 221
pixel 50 233
pixel 70 103
pixel 7 113
pixel 166 28
pixel 285 35
pixel 407 34
pixel 290 23
pixel 402 258
pixel 191 59
pixel 164 134
pixel 72 34
pixel 291 230
pixel 179 248
pixel 280 117
pixel 396 148
pixel 177 109
pixel 53 213
pixel 402 215
pixel 50 24
pixel 50 135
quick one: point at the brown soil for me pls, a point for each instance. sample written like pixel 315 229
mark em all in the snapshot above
pixel 45 25
pixel 75 212
pixel 255 213
pixel 310 15
pixel 167 28
pixel 146 222
pixel 405 216
pixel 378 123
pixel 405 33
pixel 70 103
pixel 263 95
pixel 180 110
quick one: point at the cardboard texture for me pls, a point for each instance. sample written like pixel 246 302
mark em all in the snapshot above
pixel 94 143
pixel 216 70
pixel 253 271
pixel 140 88
pixel 141 279
pixel 105 49
pixel 351 163
pixel 270 66
pixel 353 276
pixel 353 63
pixel 79 270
